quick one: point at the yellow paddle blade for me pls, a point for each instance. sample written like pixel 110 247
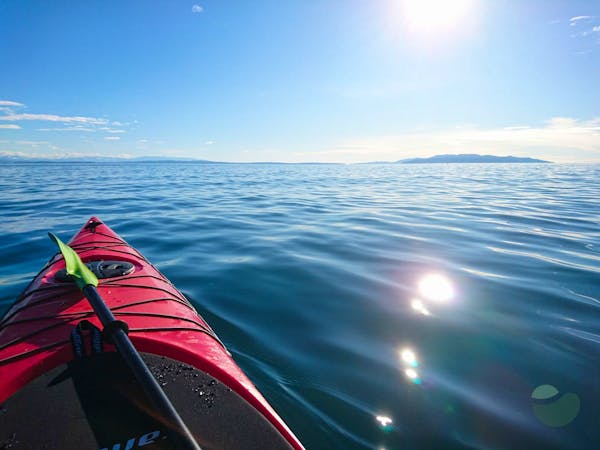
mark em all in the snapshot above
pixel 75 267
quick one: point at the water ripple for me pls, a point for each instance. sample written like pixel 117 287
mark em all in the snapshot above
pixel 312 276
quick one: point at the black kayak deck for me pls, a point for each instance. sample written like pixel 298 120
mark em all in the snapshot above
pixel 95 403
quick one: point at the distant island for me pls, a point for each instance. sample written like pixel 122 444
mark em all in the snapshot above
pixel 470 158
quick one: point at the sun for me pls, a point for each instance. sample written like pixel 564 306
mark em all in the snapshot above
pixel 434 16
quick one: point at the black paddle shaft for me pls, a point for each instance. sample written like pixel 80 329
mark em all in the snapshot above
pixel 181 433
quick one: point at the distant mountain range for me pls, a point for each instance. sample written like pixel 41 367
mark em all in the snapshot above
pixel 95 159
pixel 463 158
pixel 470 158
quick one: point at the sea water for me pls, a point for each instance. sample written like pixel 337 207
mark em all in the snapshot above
pixel 375 306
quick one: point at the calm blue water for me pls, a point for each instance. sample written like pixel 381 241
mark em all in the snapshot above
pixel 319 280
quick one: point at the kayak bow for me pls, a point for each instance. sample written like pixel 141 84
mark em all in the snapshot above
pixel 59 372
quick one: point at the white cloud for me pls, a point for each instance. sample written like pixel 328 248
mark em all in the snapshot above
pixel 10 103
pixel 62 155
pixel 9 127
pixel 112 138
pixel 587 30
pixel 54 118
pixel 196 9
pixel 560 139
pixel 73 128
pixel 573 20
pixel 595 29
pixel 14 154
pixel 33 143
pixel 586 33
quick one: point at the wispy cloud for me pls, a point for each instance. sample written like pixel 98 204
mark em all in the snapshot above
pixel 590 32
pixel 33 143
pixel 11 118
pixel 587 29
pixel 112 130
pixel 197 9
pixel 574 20
pixel 54 118
pixel 560 139
pixel 73 128
pixel 61 155
pixel 9 106
pixel 10 103
pixel 70 123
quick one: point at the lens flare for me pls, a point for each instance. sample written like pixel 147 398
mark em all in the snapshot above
pixel 419 307
pixel 409 357
pixel 412 375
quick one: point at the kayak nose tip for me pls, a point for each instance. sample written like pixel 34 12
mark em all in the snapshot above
pixel 92 223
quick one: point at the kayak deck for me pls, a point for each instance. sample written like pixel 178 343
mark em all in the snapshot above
pixel 96 403
pixel 36 332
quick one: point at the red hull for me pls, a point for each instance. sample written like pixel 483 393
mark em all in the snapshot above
pixel 35 332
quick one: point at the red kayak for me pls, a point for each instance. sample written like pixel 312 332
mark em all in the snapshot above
pixel 62 385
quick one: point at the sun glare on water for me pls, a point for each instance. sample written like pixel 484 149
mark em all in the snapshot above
pixel 436 287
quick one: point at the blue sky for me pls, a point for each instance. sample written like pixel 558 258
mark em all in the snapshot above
pixel 331 81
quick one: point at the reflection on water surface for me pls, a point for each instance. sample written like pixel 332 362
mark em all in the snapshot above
pixel 317 277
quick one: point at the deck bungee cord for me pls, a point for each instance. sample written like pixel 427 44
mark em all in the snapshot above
pixel 101 335
pixel 115 332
